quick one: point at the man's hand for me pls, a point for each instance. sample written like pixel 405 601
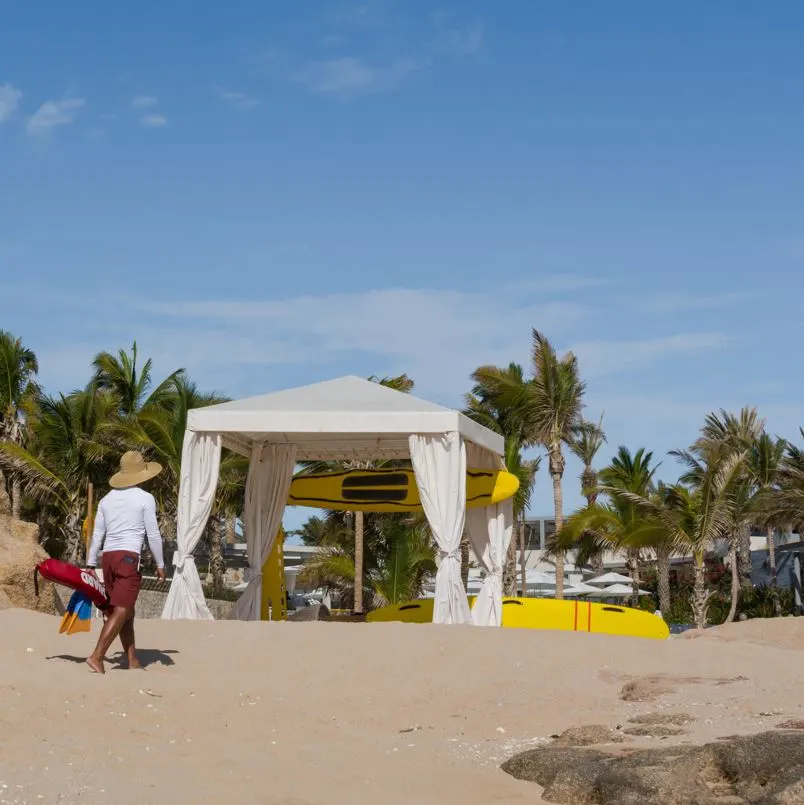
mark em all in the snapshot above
pixel 91 571
pixel 160 574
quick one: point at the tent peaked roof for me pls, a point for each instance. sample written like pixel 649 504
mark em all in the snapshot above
pixel 347 418
pixel 347 394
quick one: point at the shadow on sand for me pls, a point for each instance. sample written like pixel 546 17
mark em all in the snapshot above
pixel 146 656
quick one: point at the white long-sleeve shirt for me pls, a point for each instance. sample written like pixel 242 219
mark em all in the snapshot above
pixel 124 519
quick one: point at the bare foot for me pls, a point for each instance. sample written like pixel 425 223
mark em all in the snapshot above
pixel 95 666
pixel 134 665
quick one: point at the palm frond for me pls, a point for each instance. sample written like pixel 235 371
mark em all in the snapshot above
pixel 39 483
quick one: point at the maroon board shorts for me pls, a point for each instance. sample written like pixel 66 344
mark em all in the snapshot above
pixel 121 577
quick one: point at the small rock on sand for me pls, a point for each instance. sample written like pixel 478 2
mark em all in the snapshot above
pixel 587 735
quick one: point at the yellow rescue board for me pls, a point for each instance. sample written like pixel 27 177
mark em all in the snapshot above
pixel 546 613
pixel 390 490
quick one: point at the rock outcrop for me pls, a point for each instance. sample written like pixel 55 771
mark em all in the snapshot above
pixel 20 553
pixel 764 769
pixel 5 500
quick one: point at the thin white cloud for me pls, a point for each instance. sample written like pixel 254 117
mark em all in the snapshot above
pixel 10 98
pixel 52 114
pixel 349 76
pixel 557 283
pixel 366 15
pixel 459 41
pixel 240 99
pixel 143 102
pixel 401 46
pixel 154 121
pixel 701 301
pixel 439 336
pixel 605 357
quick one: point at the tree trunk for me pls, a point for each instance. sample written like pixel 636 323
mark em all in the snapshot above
pixel 523 562
pixel 735 581
pixel 5 499
pixel 217 565
pixel 700 596
pixel 357 606
pixel 663 578
pixel 16 499
pixel 509 570
pixel 465 560
pixel 774 586
pixel 231 530
pixel 744 557
pixel 597 564
pixel 556 471
pixel 633 561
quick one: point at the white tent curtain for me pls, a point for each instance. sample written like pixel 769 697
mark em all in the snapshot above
pixel 200 463
pixel 489 530
pixel 439 465
pixel 270 473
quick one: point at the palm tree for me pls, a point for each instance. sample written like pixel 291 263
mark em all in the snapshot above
pixel 551 410
pixel 314 531
pixel 486 405
pixel 67 449
pixel 585 444
pixel 697 517
pixel 618 523
pixel 158 430
pixel 18 392
pixel 400 558
pixel 784 505
pixel 765 461
pixel 133 388
pixel 548 407
pixel 721 435
pixel 664 545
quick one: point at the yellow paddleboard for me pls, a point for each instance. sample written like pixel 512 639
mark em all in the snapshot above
pixel 546 613
pixel 390 490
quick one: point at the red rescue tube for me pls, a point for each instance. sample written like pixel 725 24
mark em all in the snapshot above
pixel 74 577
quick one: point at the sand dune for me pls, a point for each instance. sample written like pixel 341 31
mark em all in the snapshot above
pixel 309 713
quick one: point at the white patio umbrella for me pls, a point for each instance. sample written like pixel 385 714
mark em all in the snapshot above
pixel 610 578
pixel 538 578
pixel 615 591
pixel 580 589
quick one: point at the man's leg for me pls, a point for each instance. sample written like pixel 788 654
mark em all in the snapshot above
pixel 127 639
pixel 114 623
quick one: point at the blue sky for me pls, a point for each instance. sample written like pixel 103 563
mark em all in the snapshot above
pixel 269 197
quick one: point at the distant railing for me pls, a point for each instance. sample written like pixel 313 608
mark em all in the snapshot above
pixel 152 585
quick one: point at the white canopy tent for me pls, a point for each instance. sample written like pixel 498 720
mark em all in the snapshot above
pixel 347 419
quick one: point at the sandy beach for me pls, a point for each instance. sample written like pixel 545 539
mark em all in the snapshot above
pixel 302 714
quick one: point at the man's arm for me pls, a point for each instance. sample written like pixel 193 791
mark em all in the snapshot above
pixel 152 532
pixel 98 533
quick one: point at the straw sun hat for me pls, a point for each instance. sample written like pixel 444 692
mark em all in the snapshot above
pixel 134 469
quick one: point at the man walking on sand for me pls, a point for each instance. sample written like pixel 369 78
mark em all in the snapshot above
pixel 126 516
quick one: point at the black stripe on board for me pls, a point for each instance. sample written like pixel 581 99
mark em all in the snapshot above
pixel 375 495
pixel 384 479
pixel 339 504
